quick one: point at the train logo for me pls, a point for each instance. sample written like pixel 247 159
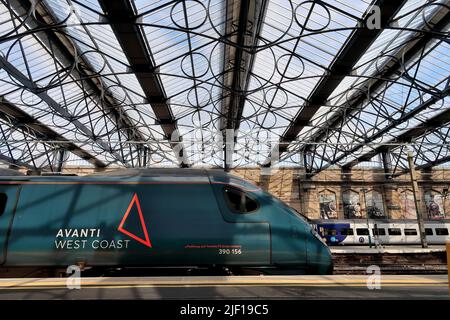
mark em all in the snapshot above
pixel 146 241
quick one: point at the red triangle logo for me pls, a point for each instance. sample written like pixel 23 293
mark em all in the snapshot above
pixel 145 241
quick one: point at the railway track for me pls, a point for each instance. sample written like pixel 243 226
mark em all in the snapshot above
pixel 393 269
pixel 391 263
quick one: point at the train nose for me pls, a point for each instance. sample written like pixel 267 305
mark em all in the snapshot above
pixel 320 259
pixel 328 265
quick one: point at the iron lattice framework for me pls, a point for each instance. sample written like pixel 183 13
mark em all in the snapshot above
pixel 147 83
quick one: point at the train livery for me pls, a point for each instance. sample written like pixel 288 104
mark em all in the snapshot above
pixel 362 232
pixel 155 218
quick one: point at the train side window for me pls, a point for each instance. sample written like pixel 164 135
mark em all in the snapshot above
pixel 239 201
pixel 362 231
pixel 3 200
pixel 330 232
pixel 381 231
pixel 428 231
pixel 347 232
pixel 441 231
pixel 395 231
pixel 410 232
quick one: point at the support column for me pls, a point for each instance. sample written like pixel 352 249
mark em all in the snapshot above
pixel 364 191
pixel 34 172
pixel 145 157
pixel 386 157
pixel 415 187
pixel 60 159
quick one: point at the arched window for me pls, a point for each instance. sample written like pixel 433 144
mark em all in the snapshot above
pixel 407 205
pixel 352 206
pixel 435 205
pixel 327 203
pixel 375 205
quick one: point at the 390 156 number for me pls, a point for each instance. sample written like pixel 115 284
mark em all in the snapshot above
pixel 230 251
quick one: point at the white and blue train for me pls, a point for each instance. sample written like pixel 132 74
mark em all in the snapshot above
pixel 384 232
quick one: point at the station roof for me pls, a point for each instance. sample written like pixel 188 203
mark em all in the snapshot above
pixel 157 83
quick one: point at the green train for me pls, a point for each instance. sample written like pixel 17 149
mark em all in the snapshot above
pixel 154 218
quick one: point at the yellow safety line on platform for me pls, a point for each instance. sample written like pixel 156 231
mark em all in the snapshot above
pixel 211 285
pixel 61 283
pixel 212 282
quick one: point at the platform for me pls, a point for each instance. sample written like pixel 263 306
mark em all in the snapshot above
pixel 229 287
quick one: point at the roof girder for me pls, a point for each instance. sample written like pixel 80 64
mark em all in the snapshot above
pixel 249 19
pixel 413 48
pixel 60 47
pixel 406 56
pixel 122 18
pixel 42 131
pixel 32 87
pixel 353 49
pixel 437 121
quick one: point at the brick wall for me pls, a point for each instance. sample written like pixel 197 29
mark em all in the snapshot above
pixel 396 195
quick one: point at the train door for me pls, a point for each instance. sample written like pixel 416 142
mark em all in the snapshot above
pixel 411 232
pixel 395 233
pixel 8 202
pixel 247 227
pixel 380 233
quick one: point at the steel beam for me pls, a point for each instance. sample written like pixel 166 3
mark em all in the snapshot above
pixel 437 162
pixel 438 120
pixel 43 132
pixel 59 159
pixel 411 50
pixel 386 158
pixel 353 49
pixel 121 16
pixel 440 21
pixel 62 49
pixel 32 87
pixel 248 16
pixel 415 187
pixel 16 162
pixel 412 133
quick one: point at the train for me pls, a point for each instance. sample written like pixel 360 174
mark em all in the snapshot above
pixel 381 231
pixel 154 218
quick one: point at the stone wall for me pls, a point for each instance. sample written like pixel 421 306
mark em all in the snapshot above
pixel 394 197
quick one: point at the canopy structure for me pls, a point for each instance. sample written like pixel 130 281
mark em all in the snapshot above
pixel 224 83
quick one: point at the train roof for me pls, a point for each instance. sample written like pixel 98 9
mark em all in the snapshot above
pixel 153 174
pixel 131 172
pixel 217 175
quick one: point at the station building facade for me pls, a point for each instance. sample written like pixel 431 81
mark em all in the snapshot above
pixel 338 194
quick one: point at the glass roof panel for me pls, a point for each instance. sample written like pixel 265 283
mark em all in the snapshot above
pixel 75 78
